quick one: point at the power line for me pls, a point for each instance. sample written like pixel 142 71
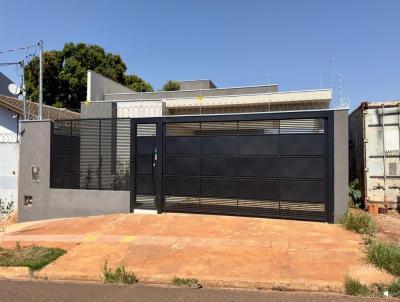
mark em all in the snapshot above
pixel 17 49
pixel 10 63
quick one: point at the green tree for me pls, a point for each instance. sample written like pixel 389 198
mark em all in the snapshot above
pixel 65 73
pixel 171 85
pixel 52 65
pixel 137 84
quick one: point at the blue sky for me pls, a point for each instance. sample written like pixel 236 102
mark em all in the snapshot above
pixel 231 42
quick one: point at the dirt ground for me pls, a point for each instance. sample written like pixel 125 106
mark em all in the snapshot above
pixel 388 226
pixel 218 250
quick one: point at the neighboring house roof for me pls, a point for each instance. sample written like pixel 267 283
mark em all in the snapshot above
pixel 32 109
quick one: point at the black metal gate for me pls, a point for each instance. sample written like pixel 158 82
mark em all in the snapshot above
pixel 262 164
pixel 267 167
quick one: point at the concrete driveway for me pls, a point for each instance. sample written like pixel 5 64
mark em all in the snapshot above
pixel 217 250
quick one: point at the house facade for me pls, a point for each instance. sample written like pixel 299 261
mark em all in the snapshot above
pixel 249 151
pixel 106 98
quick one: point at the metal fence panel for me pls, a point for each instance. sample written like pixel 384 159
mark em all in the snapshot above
pixel 91 154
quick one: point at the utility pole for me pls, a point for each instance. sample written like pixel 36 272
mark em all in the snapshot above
pixel 23 87
pixel 40 44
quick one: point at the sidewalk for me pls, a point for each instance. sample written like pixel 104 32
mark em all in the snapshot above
pixel 217 250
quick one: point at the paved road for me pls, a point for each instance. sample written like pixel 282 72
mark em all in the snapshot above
pixel 41 291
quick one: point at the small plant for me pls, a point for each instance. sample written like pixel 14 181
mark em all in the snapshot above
pixel 354 287
pixel 6 208
pixel 176 281
pixel 121 177
pixel 88 177
pixel 360 223
pixel 120 275
pixel 355 193
pixel 385 256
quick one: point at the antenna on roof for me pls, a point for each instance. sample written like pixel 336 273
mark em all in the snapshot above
pixel 343 102
pixel 332 72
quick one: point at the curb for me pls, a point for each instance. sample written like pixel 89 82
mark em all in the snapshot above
pixel 233 284
pixel 13 272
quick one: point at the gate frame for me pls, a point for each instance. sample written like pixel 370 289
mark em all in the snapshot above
pixel 327 115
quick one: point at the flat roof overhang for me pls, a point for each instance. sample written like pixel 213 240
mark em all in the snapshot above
pixel 279 98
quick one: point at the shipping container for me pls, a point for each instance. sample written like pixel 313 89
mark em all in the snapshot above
pixel 374 156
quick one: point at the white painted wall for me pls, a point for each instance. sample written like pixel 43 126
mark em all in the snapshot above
pixel 140 109
pixel 9 155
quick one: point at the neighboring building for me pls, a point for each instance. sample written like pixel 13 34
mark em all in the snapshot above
pixel 11 113
pixel 4 82
pixel 374 152
pixel 110 99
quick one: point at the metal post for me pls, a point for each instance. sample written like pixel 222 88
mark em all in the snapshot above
pixel 40 44
pixel 23 88
pixel 384 157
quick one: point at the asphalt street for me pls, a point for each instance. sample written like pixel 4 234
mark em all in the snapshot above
pixel 44 291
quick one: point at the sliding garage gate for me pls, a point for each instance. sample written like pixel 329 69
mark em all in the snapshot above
pixel 266 165
pixel 268 168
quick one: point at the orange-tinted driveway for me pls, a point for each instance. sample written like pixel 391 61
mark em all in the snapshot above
pixel 217 250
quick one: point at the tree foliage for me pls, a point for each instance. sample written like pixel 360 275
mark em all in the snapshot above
pixel 65 74
pixel 171 85
pixel 137 84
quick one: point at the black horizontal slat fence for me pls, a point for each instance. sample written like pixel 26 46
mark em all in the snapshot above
pixel 91 154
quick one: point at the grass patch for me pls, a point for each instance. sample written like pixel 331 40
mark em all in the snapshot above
pixel 360 223
pixel 394 288
pixel 34 257
pixel 184 281
pixel 354 287
pixel 119 275
pixel 385 256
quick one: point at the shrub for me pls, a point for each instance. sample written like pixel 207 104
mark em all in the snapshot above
pixel 355 193
pixel 120 275
pixel 184 281
pixel 354 287
pixel 385 256
pixel 361 223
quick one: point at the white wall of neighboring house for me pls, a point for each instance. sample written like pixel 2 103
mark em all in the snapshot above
pixel 140 109
pixel 9 154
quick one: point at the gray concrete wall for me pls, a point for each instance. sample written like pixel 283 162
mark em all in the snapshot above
pixel 98 85
pixel 159 95
pixel 56 203
pixel 196 84
pixel 341 163
pixel 99 110
pixel 4 82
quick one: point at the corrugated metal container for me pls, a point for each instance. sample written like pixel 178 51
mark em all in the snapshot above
pixel 374 151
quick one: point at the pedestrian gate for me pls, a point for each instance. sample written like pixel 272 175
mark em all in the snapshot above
pixel 267 164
